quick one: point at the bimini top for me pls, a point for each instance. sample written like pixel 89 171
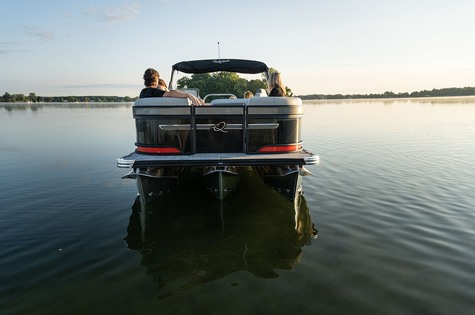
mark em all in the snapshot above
pixel 214 65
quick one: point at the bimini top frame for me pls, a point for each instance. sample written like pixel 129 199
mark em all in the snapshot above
pixel 216 65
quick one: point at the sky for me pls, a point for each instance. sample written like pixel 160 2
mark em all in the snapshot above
pixel 102 47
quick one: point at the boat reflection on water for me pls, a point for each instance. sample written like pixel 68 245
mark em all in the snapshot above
pixel 189 238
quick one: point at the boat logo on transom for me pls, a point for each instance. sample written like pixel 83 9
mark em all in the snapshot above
pixel 220 61
pixel 220 127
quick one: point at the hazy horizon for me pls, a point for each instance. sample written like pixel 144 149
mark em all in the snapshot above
pixel 339 47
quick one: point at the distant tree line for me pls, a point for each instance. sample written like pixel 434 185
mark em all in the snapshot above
pixel 465 91
pixel 230 82
pixel 33 98
pixel 206 83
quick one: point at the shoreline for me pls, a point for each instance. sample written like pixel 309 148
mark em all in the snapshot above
pixel 469 98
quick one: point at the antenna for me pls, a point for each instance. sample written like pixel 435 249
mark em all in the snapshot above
pixel 219 53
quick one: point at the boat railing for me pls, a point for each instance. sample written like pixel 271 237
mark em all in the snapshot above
pixel 228 101
pixel 213 95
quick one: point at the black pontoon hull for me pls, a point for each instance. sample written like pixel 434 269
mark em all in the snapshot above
pixel 281 172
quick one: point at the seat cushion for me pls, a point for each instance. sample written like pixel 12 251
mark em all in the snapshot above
pixel 283 101
pixel 162 101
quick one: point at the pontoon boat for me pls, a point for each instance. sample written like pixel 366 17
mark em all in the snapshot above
pixel 218 140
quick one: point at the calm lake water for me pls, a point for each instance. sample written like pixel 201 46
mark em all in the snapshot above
pixel 392 199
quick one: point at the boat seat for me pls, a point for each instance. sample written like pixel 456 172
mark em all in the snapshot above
pixel 162 101
pixel 228 101
pixel 271 100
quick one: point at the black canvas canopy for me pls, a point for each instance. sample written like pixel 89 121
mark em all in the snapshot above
pixel 214 65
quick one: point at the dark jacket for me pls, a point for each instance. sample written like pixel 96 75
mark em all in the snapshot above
pixel 151 92
pixel 277 91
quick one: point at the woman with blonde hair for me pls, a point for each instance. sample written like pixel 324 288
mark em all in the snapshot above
pixel 275 85
pixel 248 94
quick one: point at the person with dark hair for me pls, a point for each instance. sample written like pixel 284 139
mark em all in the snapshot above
pixel 151 79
